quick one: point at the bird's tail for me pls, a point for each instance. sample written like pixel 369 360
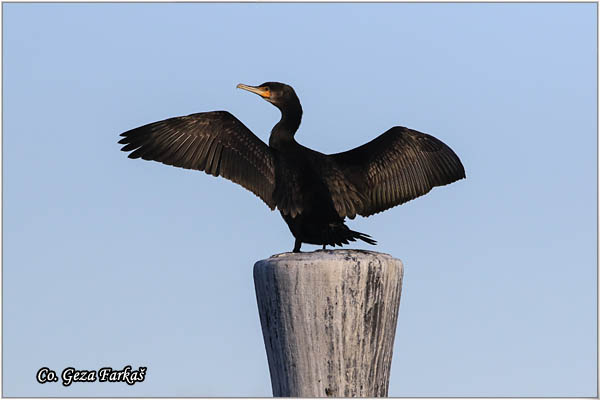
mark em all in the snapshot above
pixel 364 237
pixel 340 234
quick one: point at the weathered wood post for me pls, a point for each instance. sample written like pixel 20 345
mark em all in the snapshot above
pixel 328 320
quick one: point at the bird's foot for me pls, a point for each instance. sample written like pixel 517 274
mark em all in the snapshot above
pixel 297 245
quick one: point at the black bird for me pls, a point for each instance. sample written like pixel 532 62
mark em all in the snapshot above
pixel 314 192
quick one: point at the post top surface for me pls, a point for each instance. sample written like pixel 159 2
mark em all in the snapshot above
pixel 324 255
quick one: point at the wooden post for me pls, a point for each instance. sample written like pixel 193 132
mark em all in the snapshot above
pixel 328 320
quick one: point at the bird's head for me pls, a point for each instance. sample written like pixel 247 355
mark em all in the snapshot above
pixel 278 94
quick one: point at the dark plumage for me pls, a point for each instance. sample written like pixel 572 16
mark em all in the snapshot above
pixel 314 192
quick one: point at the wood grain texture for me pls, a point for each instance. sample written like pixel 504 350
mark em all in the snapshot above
pixel 329 321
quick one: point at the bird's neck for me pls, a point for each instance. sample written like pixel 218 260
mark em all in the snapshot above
pixel 283 133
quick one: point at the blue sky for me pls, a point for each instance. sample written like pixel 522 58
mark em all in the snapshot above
pixel 111 262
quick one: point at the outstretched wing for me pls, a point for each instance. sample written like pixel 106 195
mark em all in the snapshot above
pixel 214 142
pixel 398 166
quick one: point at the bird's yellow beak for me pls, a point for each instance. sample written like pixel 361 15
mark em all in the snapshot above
pixel 261 91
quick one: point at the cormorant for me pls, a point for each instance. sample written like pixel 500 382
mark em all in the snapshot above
pixel 314 192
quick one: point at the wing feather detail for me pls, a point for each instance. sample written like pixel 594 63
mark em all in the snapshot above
pixel 215 142
pixel 397 166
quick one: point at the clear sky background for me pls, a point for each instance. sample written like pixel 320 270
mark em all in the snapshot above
pixel 109 261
